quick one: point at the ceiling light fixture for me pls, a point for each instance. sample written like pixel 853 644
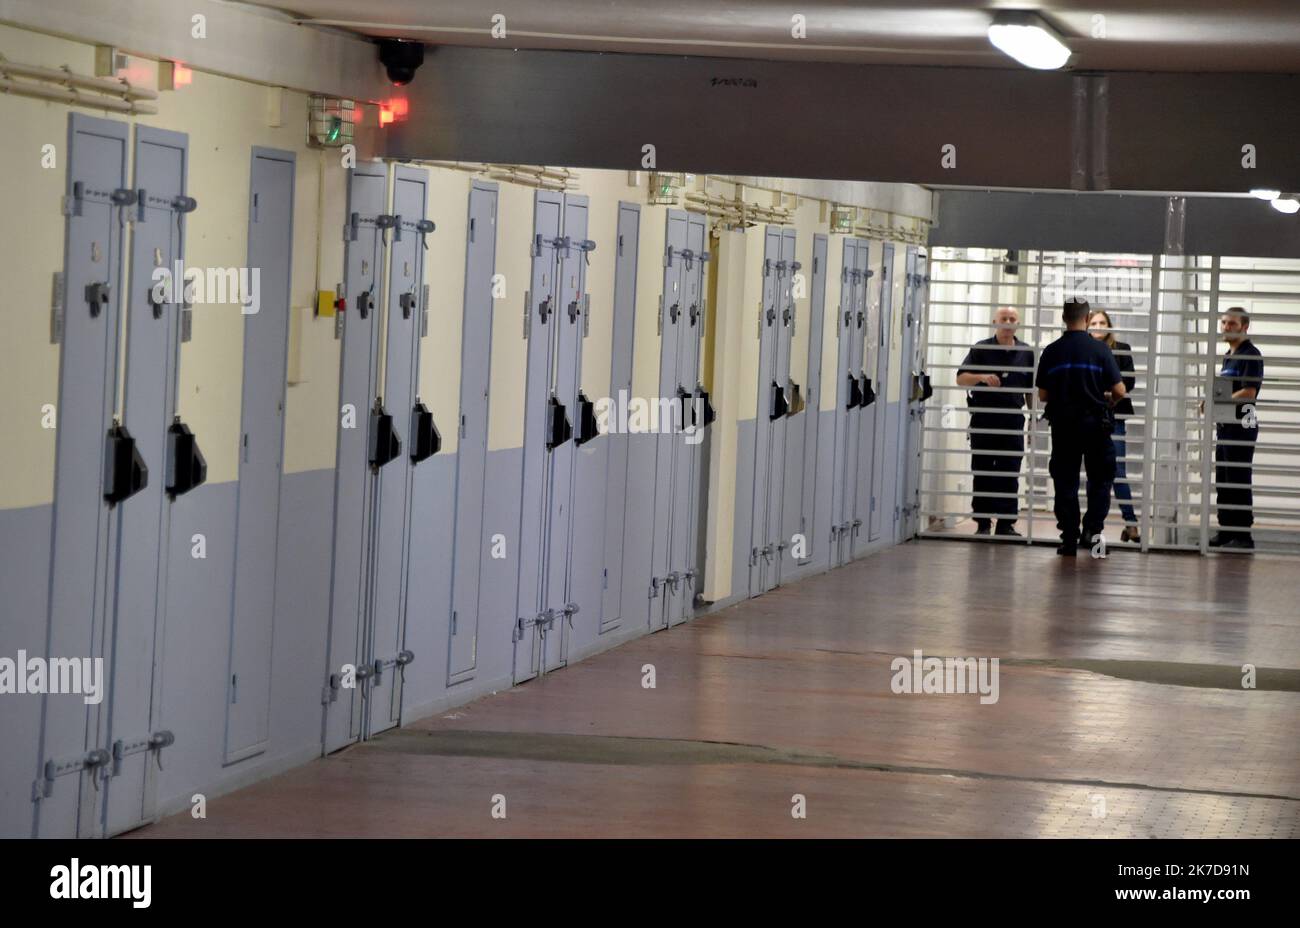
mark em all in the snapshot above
pixel 1288 204
pixel 1265 193
pixel 1027 37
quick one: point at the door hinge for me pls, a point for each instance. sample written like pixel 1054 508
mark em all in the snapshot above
pixel 56 308
pixel 528 319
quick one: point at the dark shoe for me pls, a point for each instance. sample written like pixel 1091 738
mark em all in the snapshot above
pixel 1218 540
pixel 1243 542
pixel 1008 529
pixel 1067 550
pixel 981 527
pixel 1130 534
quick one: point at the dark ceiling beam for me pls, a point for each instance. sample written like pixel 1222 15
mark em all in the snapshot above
pixel 1108 222
pixel 1009 127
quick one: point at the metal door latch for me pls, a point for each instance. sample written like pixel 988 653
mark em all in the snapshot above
pixel 401 660
pixel 91 760
pixel 155 742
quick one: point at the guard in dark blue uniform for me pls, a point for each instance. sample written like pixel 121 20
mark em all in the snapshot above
pixel 998 371
pixel 1235 444
pixel 1080 381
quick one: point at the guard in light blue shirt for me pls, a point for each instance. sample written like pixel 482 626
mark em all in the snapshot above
pixel 1080 381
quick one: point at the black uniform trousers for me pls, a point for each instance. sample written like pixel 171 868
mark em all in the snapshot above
pixel 996 453
pixel 1088 443
pixel 1225 456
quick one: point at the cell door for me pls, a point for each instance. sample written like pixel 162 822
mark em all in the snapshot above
pixel 848 400
pixel 261 445
pixel 882 514
pixel 672 312
pixel 762 552
pixel 386 654
pixel 153 305
pixel 471 453
pixel 679 599
pixel 870 406
pixel 72 760
pixel 807 523
pixel 570 328
pixel 787 267
pixel 359 317
pixel 909 421
pixel 627 247
pixel 543 425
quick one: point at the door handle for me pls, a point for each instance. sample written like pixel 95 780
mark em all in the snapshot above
pixel 426 440
pixel 385 445
pixel 97 297
pixel 186 466
pixel 125 472
pixel 587 429
pixel 559 429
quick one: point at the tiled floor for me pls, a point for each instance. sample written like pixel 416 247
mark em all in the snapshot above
pixel 789 696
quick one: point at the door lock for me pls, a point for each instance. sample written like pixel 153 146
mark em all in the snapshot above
pixel 365 300
pixel 97 297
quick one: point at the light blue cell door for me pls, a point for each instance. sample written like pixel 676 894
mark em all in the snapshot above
pixel 869 407
pixel 73 758
pixel 806 477
pixel 471 545
pixel 688 405
pixel 398 447
pixel 852 410
pixel 136 735
pixel 882 510
pixel 261 446
pixel 762 547
pixel 627 246
pixel 912 407
pixel 358 324
pixel 555 418
pixel 786 269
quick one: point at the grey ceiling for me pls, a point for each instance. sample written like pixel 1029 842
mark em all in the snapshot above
pixel 1143 35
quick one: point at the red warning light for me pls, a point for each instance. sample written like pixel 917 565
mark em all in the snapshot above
pixel 400 107
pixel 385 115
pixel 181 75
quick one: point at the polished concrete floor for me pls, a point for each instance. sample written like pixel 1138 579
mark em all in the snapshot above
pixel 1120 712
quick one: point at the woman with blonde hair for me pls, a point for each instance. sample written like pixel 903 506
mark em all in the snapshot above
pixel 1099 325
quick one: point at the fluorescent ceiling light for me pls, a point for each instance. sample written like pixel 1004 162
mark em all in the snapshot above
pixel 1265 193
pixel 1286 204
pixel 1026 37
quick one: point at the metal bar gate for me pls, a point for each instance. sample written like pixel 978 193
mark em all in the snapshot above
pixel 1183 449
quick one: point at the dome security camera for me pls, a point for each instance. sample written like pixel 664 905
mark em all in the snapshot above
pixel 400 58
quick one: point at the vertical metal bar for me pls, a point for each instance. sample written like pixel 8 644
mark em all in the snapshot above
pixel 1148 423
pixel 1031 401
pixel 1207 411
